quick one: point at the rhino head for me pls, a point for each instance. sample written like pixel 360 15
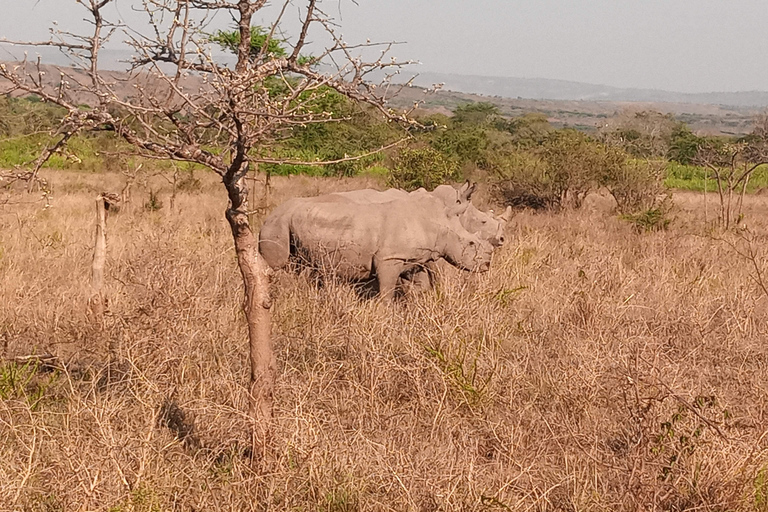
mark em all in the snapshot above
pixel 486 225
pixel 462 248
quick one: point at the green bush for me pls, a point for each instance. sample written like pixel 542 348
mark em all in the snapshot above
pixel 636 185
pixel 577 164
pixel 559 172
pixel 425 167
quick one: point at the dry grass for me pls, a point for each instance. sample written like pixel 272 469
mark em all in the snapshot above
pixel 593 368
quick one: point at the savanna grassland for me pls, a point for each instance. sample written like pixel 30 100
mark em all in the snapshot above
pixel 594 367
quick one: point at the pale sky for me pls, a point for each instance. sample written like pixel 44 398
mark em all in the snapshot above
pixel 677 45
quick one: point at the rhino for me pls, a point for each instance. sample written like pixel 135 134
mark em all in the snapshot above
pixel 487 226
pixel 376 241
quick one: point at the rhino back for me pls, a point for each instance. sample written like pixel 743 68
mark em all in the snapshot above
pixel 371 196
pixel 349 236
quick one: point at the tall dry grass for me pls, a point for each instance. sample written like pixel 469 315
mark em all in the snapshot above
pixel 593 368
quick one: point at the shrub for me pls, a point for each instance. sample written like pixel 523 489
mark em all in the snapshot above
pixel 641 196
pixel 636 184
pixel 561 172
pixel 425 167
pixel 521 180
pixel 576 164
pixel 646 134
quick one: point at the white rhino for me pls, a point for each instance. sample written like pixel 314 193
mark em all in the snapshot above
pixel 380 241
pixel 487 226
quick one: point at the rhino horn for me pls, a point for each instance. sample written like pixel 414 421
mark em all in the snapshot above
pixel 507 215
pixel 466 190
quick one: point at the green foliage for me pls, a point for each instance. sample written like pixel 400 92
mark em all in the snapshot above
pixel 522 179
pixel 230 40
pixel 684 145
pixel 461 363
pixel 642 198
pixel 761 490
pixel 153 202
pixel 528 130
pixel 693 177
pixel 140 499
pixel 680 437
pixel 561 171
pixel 477 114
pixel 477 133
pixel 25 116
pixel 652 219
pixel 577 164
pixel 344 130
pixel 465 143
pixel 426 167
pixel 23 382
pixel 567 166
pixel 340 499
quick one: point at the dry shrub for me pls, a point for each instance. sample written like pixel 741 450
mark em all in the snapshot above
pixel 592 369
pixel 640 194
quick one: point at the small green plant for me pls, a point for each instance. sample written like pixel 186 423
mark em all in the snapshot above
pixel 153 203
pixel 141 499
pixel 461 365
pixel 22 382
pixel 340 499
pixel 682 435
pixel 761 490
pixel 652 219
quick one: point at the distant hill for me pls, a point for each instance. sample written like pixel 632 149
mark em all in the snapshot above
pixel 547 89
pixel 565 104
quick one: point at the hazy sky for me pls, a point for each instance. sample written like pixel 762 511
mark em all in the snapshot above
pixel 680 45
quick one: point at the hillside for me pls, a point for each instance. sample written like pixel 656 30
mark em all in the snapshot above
pixel 589 115
pixel 542 88
pixel 572 109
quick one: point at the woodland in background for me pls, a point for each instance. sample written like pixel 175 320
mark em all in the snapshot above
pixel 525 161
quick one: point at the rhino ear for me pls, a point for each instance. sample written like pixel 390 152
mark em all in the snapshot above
pixel 466 190
pixel 457 209
pixel 507 215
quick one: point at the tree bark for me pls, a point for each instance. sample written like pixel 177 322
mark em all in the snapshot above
pixel 257 306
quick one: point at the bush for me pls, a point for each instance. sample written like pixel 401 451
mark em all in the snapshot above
pixel 641 196
pixel 522 181
pixel 425 167
pixel 561 172
pixel 637 185
pixel 577 164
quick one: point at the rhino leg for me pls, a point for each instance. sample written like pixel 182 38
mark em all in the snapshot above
pixel 387 274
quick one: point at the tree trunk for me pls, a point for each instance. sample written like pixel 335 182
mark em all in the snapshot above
pixel 257 307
